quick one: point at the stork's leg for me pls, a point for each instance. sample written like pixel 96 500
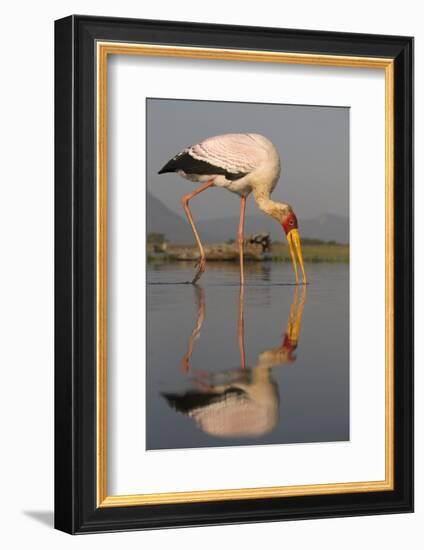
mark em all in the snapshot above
pixel 201 266
pixel 240 324
pixel 240 238
pixel 240 328
pixel 200 299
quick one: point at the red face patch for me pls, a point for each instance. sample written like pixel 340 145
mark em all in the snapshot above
pixel 289 347
pixel 290 222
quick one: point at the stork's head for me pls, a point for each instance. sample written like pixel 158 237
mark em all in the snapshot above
pixel 286 217
pixel 290 225
pixel 289 221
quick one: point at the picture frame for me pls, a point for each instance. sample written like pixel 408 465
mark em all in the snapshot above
pixel 83 45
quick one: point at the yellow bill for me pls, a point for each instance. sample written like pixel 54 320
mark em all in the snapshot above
pixel 293 239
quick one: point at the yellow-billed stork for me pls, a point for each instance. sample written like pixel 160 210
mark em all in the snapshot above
pixel 243 164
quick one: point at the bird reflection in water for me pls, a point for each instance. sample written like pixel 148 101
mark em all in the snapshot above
pixel 241 402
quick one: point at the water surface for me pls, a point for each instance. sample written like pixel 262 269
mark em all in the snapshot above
pixel 266 366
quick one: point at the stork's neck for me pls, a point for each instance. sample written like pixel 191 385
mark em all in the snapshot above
pixel 270 207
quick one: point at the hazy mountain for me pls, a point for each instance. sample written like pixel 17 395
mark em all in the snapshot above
pixel 160 219
pixel 176 229
pixel 327 227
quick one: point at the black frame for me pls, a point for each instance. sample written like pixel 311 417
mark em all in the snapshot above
pixel 75 275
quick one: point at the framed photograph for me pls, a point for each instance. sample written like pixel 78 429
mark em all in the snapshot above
pixel 234 274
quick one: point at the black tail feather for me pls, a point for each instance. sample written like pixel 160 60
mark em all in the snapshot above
pixel 169 167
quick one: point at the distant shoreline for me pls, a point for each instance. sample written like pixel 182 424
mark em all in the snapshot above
pixel 279 252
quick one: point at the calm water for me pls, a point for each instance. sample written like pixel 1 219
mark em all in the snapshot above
pixel 270 365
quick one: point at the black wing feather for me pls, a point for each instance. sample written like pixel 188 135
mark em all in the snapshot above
pixel 189 165
pixel 193 399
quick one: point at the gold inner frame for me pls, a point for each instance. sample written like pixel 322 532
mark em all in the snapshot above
pixel 104 49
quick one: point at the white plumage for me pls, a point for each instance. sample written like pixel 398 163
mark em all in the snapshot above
pixel 230 160
pixel 233 152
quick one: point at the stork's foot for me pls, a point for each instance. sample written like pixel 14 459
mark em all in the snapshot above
pixel 200 268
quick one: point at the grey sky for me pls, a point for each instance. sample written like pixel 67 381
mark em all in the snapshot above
pixel 313 143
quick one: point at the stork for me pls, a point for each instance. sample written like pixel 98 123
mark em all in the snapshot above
pixel 243 164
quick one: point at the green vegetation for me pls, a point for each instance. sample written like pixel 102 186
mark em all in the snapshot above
pixel 313 251
pixel 306 240
pixel 160 258
pixel 155 238
pixel 320 252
